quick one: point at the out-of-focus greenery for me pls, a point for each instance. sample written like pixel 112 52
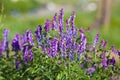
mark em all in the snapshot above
pixel 18 6
pixel 83 19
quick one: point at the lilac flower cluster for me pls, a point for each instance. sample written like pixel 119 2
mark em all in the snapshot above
pixel 63 44
pixel 4 44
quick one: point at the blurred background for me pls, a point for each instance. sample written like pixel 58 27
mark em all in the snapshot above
pixel 102 15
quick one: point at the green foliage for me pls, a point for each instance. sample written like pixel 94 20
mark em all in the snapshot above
pixel 45 68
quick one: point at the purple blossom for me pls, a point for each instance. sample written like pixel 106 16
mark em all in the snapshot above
pixel 55 22
pixel 92 48
pixel 82 30
pixel 89 29
pixel 96 40
pixel 103 54
pixel 47 26
pixel 111 61
pixel 25 56
pixel 111 78
pixel 84 42
pixel 90 70
pixel 49 52
pixel 29 37
pixel 15 46
pixel 69 33
pixel 54 44
pixel 71 44
pixel 113 50
pixel 31 55
pixel 74 33
pixel 71 55
pixel 83 64
pixel 104 63
pixel 81 33
pixel 17 64
pixel 5 41
pixel 67 24
pixel 38 31
pixel 80 49
pixel 63 49
pixel 44 49
pixel 23 39
pixel 75 45
pixel 60 21
pixel 68 42
pixel 119 53
pixel 79 52
pixel 5 34
pixel 16 43
pixel 73 20
pixel 38 34
pixel 103 43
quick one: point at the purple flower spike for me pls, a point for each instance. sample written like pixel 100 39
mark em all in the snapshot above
pixel 5 34
pixel 75 32
pixel 71 55
pixel 90 70
pixel 17 36
pixel 15 46
pixel 31 55
pixel 104 63
pixel 47 26
pixel 5 42
pixel 55 17
pixel 81 33
pixel 23 39
pixel 38 34
pixel 75 45
pixel 54 44
pixel 62 48
pixel 96 40
pixel 60 21
pixel 55 21
pixel 38 31
pixel 67 24
pixel 113 50
pixel 69 33
pixel 29 37
pixel 79 52
pixel 17 64
pixel 103 43
pixel 80 49
pixel 16 43
pixel 25 56
pixel 84 42
pixel 61 15
pixel 73 20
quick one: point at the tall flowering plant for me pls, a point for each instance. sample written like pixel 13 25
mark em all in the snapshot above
pixel 66 54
